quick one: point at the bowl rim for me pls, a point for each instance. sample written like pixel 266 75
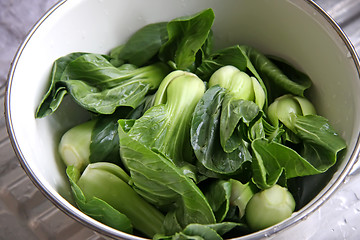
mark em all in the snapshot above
pixel 80 217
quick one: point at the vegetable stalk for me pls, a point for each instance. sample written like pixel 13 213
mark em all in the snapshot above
pixel 109 183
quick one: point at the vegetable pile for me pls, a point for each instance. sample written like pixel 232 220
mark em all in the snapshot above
pixel 186 142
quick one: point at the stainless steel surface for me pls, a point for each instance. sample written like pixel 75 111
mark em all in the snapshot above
pixel 26 214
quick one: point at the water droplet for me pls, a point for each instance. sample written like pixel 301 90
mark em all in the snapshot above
pixel 305 218
pixel 346 179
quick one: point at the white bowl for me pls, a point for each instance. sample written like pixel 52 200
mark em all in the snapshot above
pixel 297 30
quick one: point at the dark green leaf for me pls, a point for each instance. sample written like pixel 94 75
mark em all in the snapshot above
pixel 160 182
pixel 262 129
pixel 233 112
pixel 204 232
pixel 228 56
pixel 55 93
pixel 274 77
pixel 142 46
pixel 218 195
pixel 321 142
pixel 98 86
pixel 187 35
pixel 273 159
pixel 205 136
pixel 104 146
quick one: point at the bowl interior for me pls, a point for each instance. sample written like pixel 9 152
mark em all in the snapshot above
pixel 295 30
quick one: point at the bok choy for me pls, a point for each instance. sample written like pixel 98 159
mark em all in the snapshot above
pixel 187 142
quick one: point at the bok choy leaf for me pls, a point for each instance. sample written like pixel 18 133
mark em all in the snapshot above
pixel 96 85
pixel 95 207
pixel 187 35
pixel 277 75
pixel 142 47
pixel 205 136
pixel 163 184
pixel 56 92
pixel 165 126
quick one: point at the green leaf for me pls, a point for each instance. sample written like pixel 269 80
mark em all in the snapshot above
pixel 104 146
pixel 315 151
pixel 299 78
pixel 97 208
pixel 108 182
pixel 233 112
pixel 204 231
pixel 228 56
pixel 241 195
pixel 218 195
pixel 160 182
pixel 187 35
pixel 166 125
pixel 205 137
pixel 143 45
pixel 321 143
pixel 262 129
pixel 273 159
pixel 275 77
pixel 55 93
pixel 98 86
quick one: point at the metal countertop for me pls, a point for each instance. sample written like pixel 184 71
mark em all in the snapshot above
pixel 26 214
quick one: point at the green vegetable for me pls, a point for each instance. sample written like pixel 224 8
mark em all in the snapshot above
pixel 235 56
pixel 314 151
pixel 273 159
pixel 205 137
pixel 142 47
pixel 224 116
pixel 186 142
pixel 96 85
pixel 204 232
pixel 104 146
pixel 237 83
pixel 269 207
pixel 286 108
pixel 218 195
pixel 187 36
pixel 241 195
pixel 74 146
pixel 94 141
pixel 231 56
pixel 109 183
pixel 156 147
pixel 163 184
pixel 56 92
pixel 165 126
pixel 95 207
pixel 279 77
